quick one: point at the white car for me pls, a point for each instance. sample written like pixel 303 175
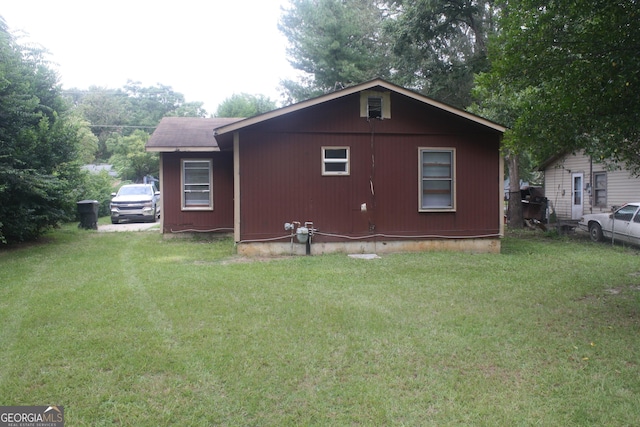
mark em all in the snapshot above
pixel 622 225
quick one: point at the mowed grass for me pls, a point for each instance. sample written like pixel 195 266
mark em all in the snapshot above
pixel 132 329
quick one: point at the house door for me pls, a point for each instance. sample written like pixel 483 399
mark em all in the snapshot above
pixel 577 199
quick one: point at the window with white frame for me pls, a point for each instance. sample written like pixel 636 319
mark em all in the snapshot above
pixel 437 179
pixel 197 177
pixel 600 189
pixel 335 160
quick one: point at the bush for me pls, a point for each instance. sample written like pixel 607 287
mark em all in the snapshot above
pixel 30 203
pixel 98 186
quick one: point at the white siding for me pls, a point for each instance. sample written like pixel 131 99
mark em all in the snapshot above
pixel 621 186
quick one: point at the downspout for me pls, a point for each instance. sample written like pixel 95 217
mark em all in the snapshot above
pixel 372 173
pixel 236 187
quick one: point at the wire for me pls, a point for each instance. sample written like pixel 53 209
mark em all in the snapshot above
pixel 122 126
pixel 342 236
pixel 288 236
pixel 392 236
pixel 191 230
pixel 369 236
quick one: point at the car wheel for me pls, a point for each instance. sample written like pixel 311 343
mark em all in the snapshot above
pixel 114 221
pixel 595 232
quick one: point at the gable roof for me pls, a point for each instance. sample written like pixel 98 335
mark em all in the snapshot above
pixel 377 83
pixel 551 160
pixel 186 134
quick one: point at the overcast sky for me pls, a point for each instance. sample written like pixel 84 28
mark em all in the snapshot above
pixel 206 50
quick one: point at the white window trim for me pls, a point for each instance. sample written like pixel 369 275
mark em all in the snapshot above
pixel 182 185
pixel 346 161
pixel 453 179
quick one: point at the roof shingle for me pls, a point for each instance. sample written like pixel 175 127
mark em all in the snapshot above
pixel 186 134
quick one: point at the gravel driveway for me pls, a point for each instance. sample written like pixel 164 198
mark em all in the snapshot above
pixel 130 226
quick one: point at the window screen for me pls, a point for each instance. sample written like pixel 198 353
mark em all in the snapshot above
pixel 196 184
pixel 437 179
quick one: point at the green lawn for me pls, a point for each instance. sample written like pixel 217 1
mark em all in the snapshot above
pixel 133 329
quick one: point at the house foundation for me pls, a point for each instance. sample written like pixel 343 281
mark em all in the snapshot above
pixel 492 245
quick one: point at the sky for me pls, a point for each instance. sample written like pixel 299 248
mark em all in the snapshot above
pixel 207 50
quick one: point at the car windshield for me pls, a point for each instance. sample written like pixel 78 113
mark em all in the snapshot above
pixel 626 212
pixel 137 190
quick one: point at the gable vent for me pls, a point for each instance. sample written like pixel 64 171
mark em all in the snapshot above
pixel 375 104
pixel 374 107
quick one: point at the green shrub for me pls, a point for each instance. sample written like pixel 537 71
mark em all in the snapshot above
pixel 98 186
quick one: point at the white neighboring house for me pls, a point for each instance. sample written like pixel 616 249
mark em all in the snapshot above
pixel 575 184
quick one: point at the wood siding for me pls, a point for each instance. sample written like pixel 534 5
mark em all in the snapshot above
pixel 281 173
pixel 621 186
pixel 174 219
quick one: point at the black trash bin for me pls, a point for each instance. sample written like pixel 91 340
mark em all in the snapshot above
pixel 88 213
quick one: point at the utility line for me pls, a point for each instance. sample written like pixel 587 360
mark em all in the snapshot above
pixel 122 126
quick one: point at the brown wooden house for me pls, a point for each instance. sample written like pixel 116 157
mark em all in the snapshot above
pixel 371 168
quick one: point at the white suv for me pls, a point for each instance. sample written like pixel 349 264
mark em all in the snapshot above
pixel 137 202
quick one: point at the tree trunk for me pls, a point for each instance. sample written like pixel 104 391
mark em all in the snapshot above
pixel 514 210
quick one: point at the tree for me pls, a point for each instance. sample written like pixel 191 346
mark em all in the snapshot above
pixel 38 145
pixel 245 105
pixel 336 43
pixel 129 157
pixel 579 59
pixel 501 104
pixel 432 46
pixel 440 45
pixel 189 109
pixel 130 108
pixel 106 110
pixel 148 105
pixel 87 141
